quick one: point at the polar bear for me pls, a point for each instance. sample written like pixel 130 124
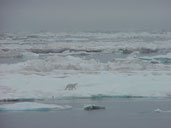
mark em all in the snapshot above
pixel 71 86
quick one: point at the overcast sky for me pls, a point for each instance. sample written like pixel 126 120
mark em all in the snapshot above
pixel 25 14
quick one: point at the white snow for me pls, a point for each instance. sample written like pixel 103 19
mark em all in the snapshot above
pixel 96 84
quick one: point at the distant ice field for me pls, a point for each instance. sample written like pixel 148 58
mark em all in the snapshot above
pixel 102 63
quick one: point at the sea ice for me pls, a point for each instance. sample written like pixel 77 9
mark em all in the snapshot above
pixel 159 111
pixel 139 84
pixel 93 107
pixel 32 106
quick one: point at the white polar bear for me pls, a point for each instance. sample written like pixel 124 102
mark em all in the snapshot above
pixel 71 86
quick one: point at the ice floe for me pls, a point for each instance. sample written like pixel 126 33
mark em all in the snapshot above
pixel 95 85
pixel 93 107
pixel 162 111
pixel 32 106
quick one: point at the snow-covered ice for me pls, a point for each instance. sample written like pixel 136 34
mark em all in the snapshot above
pixel 89 85
pixel 103 64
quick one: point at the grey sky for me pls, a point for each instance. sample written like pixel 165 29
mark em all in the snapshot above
pixel 50 13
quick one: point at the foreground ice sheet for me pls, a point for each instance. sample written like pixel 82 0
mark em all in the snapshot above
pixel 95 85
pixel 31 106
